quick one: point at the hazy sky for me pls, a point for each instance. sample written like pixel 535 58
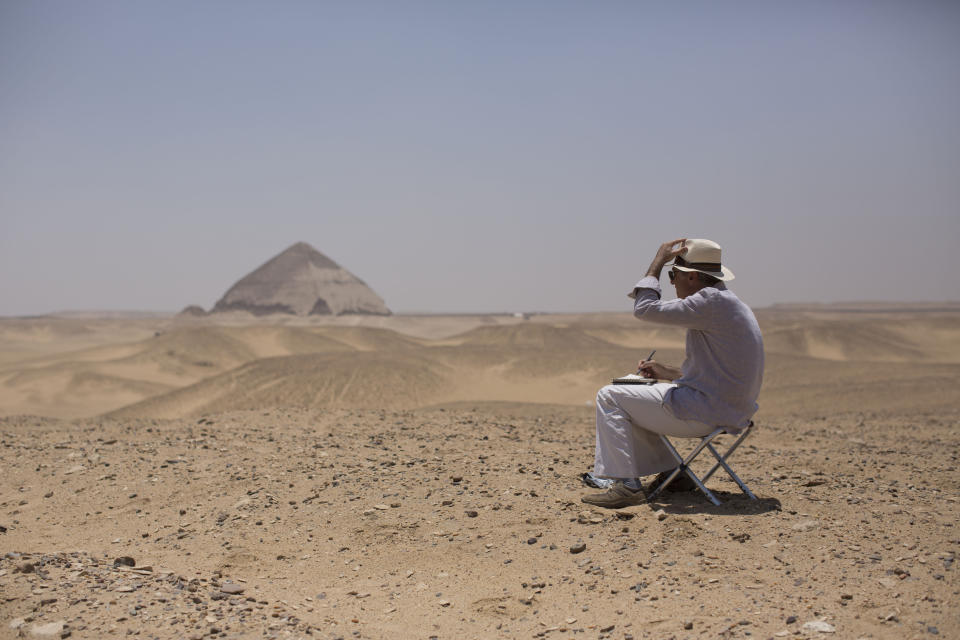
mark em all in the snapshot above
pixel 477 156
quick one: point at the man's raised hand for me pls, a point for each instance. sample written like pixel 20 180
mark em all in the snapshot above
pixel 667 252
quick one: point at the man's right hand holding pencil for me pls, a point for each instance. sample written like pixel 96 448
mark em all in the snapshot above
pixel 652 369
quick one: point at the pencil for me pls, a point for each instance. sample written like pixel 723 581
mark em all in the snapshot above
pixel 647 359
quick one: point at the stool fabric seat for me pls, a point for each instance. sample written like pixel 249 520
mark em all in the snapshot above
pixel 706 442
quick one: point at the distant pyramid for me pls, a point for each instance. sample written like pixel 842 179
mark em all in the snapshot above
pixel 301 281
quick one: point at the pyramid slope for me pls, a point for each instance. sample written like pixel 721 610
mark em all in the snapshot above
pixel 301 281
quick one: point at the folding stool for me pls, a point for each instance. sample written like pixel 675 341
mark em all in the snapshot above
pixel 705 443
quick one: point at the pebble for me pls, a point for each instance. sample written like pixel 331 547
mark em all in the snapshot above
pixel 806 525
pixel 48 630
pixel 232 588
pixel 661 514
pixel 820 626
pixel 578 548
pixel 471 513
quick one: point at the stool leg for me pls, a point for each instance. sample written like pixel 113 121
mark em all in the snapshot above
pixel 733 447
pixel 685 467
pixel 736 478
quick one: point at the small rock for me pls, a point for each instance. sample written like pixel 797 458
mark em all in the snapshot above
pixel 820 626
pixel 688 625
pixel 580 547
pixel 806 525
pixel 471 513
pixel 232 588
pixel 48 630
pixel 27 567
pixel 661 514
pixel 531 541
pixel 125 561
pixel 381 507
pixel 791 619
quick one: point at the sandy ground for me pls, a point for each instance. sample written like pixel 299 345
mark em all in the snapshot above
pixel 382 478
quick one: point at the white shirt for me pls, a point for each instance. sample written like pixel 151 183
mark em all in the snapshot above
pixel 723 369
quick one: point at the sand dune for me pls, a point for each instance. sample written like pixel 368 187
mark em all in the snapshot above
pixel 182 367
pixel 864 337
pixel 536 336
pixel 357 379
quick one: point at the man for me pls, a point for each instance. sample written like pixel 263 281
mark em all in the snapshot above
pixel 717 385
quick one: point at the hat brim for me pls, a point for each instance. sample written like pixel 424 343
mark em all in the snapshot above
pixel 724 274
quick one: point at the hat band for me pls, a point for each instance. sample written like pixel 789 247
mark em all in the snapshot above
pixel 705 266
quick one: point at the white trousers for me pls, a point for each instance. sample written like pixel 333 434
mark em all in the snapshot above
pixel 629 419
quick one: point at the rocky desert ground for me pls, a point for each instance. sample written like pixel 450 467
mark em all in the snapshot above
pixel 419 477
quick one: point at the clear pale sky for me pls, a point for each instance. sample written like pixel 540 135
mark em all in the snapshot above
pixel 477 156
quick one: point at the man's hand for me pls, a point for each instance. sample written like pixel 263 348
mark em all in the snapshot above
pixel 657 370
pixel 667 252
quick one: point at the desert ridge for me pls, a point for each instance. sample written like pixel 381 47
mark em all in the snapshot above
pixel 176 367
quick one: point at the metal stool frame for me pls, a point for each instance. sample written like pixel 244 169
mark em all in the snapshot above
pixel 706 442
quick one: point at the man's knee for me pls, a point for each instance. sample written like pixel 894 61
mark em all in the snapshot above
pixel 606 396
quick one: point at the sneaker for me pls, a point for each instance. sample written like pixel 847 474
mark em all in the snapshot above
pixel 616 497
pixel 680 484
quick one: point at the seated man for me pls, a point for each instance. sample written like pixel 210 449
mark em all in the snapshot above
pixel 717 385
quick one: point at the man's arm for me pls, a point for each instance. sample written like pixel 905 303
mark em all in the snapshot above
pixel 686 312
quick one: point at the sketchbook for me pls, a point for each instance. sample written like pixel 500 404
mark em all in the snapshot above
pixel 633 378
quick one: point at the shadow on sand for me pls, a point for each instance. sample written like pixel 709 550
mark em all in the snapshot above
pixel 733 504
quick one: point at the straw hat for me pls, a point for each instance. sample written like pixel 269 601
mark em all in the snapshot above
pixel 702 256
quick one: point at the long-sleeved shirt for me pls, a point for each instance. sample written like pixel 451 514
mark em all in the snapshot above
pixel 723 369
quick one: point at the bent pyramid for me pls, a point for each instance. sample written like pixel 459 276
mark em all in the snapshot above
pixel 301 281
